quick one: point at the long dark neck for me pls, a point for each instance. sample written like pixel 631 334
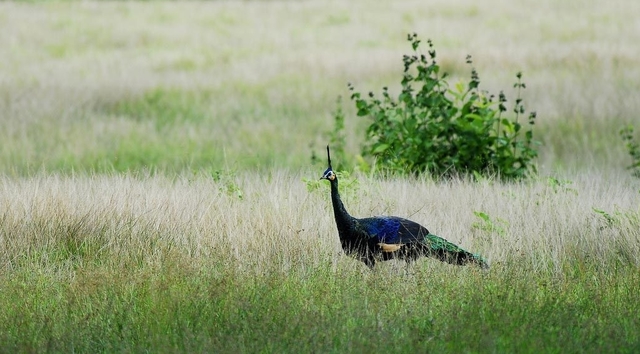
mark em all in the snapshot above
pixel 344 221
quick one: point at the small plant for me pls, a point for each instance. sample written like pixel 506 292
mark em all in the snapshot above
pixel 337 140
pixel 619 217
pixel 633 148
pixel 489 225
pixel 349 185
pixel 609 219
pixel 561 185
pixel 445 131
pixel 228 183
pixel 336 136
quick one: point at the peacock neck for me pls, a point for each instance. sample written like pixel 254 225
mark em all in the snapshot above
pixel 344 221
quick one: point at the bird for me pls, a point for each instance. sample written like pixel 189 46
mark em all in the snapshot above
pixel 387 237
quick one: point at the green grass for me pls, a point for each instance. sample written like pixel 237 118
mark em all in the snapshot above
pixel 213 308
pixel 252 263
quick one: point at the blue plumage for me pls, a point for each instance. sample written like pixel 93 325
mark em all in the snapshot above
pixel 384 229
pixel 388 237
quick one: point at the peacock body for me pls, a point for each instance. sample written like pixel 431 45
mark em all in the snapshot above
pixel 389 237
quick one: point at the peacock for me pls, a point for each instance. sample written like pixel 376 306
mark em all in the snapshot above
pixel 388 237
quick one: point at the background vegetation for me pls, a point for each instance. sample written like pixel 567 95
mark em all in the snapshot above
pixel 158 192
pixel 120 86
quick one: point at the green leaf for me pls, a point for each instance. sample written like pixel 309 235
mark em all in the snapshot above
pixel 529 135
pixel 482 216
pixel 380 148
pixel 361 104
pixel 362 112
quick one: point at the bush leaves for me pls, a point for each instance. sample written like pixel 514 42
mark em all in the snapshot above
pixel 432 128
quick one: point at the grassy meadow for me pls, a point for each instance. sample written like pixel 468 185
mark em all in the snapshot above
pixel 157 192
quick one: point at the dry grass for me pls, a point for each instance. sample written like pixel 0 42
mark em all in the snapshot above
pixel 278 225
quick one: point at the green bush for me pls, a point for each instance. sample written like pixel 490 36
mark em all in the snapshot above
pixel 432 127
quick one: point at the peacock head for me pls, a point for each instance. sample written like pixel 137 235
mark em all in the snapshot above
pixel 329 174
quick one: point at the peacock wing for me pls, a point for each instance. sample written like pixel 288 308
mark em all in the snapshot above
pixel 393 230
pixel 392 233
pixel 410 231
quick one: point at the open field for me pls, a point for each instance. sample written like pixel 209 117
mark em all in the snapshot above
pixel 127 264
pixel 157 192
pixel 102 87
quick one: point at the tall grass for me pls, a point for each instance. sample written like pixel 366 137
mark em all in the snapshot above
pixel 253 263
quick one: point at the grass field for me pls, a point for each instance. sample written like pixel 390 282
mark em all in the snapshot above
pixel 125 264
pixel 157 192
pixel 122 86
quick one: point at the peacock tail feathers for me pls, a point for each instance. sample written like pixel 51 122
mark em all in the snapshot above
pixel 452 253
pixel 438 243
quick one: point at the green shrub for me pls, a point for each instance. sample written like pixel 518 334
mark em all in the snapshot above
pixel 432 127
